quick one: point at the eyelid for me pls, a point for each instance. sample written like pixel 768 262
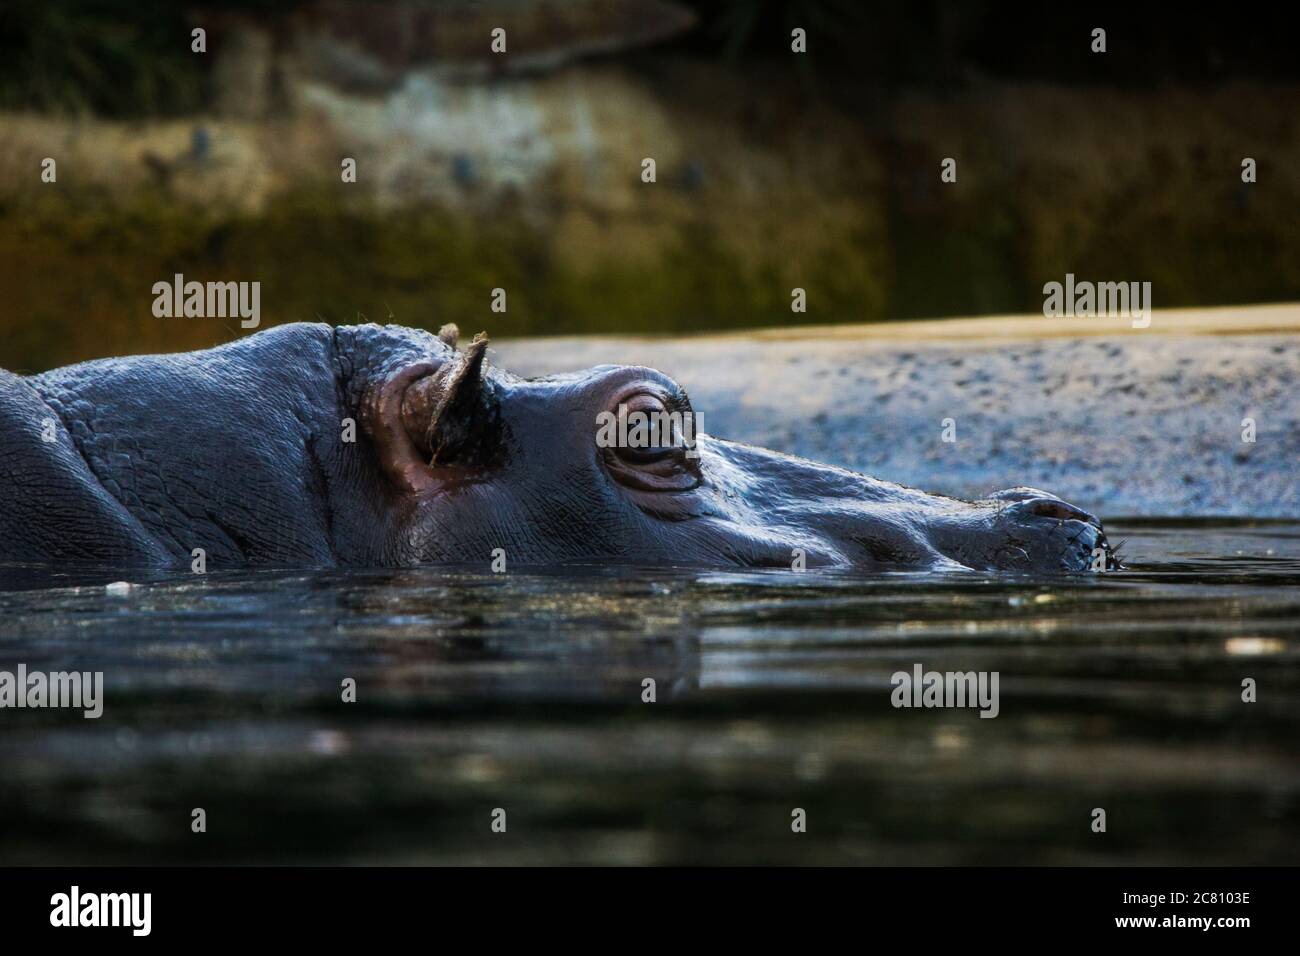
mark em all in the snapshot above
pixel 631 403
pixel 673 399
pixel 671 473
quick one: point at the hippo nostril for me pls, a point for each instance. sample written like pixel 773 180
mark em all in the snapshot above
pixel 1053 508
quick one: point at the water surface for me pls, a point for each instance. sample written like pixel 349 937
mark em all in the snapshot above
pixel 524 691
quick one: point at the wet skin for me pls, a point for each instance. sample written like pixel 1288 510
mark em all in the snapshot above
pixel 243 451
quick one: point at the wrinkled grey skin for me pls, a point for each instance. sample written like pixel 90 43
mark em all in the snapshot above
pixel 239 450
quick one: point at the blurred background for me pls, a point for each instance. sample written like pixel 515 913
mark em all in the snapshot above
pixel 523 171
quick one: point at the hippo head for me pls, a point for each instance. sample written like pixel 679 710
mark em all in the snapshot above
pixel 607 465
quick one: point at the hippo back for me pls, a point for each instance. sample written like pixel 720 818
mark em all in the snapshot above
pixel 154 456
pixel 54 508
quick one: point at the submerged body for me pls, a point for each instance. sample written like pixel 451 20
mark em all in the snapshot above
pixel 312 446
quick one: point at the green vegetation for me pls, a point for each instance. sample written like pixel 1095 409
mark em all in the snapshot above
pixel 315 258
pixel 96 56
pixel 77 267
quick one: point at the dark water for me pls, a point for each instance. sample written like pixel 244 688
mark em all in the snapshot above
pixel 523 691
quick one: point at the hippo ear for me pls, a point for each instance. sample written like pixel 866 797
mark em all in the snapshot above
pixel 448 415
pixel 429 416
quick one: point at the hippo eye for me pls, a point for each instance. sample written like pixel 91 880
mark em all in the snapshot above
pixel 648 441
pixel 651 435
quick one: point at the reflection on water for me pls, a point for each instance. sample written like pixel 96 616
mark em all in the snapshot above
pixel 523 691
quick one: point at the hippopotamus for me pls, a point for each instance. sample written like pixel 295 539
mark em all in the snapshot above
pixel 308 445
